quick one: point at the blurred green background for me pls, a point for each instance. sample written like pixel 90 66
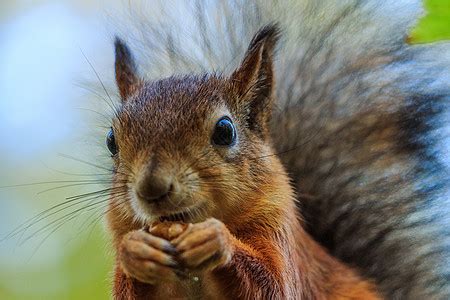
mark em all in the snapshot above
pixel 51 114
pixel 435 25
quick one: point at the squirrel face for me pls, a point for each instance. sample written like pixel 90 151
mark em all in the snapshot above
pixel 191 147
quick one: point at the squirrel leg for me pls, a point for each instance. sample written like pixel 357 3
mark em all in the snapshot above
pixel 147 258
pixel 144 262
pixel 128 288
pixel 204 246
pixel 235 269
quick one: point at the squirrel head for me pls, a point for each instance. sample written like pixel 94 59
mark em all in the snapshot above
pixel 191 147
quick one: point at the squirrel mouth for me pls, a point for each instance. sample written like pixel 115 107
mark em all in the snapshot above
pixel 178 217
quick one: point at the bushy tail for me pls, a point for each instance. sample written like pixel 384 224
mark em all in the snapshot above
pixel 359 122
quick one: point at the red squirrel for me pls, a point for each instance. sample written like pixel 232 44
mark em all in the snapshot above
pixel 202 206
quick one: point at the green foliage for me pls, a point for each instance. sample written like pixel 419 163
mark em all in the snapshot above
pixel 435 25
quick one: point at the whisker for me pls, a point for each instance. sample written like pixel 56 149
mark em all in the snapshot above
pixel 47 236
pixel 91 90
pixel 106 117
pixel 51 211
pixel 72 185
pixel 55 228
pixel 47 182
pixel 111 105
pixel 76 174
pixel 64 217
pixel 102 213
pixel 87 162
pixel 94 193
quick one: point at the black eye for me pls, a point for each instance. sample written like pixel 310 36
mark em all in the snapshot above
pixel 111 142
pixel 224 132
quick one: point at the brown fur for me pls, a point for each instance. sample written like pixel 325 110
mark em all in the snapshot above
pixel 240 195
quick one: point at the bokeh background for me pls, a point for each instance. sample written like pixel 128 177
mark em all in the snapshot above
pixel 52 128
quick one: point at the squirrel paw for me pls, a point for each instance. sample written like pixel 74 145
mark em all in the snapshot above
pixel 204 246
pixel 147 258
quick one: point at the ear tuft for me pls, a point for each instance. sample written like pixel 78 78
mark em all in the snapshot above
pixel 268 35
pixel 126 70
pixel 254 80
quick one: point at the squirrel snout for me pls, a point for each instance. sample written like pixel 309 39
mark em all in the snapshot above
pixel 154 188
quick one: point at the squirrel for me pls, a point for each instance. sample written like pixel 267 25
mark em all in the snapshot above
pixel 329 184
pixel 196 150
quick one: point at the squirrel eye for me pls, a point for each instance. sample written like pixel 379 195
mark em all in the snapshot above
pixel 111 142
pixel 224 132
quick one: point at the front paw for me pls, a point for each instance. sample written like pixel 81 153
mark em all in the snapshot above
pixel 204 246
pixel 147 258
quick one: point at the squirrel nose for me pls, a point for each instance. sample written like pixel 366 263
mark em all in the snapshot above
pixel 154 188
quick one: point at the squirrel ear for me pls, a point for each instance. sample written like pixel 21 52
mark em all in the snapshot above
pixel 254 81
pixel 126 70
